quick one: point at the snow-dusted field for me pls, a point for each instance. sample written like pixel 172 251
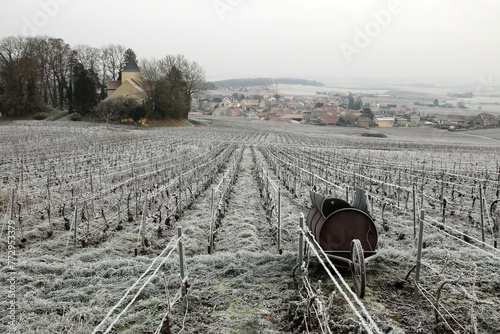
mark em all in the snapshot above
pixel 124 180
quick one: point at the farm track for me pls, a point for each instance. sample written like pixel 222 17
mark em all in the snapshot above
pixel 242 285
pixel 244 219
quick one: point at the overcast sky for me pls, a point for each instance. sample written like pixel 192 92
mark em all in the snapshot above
pixel 312 39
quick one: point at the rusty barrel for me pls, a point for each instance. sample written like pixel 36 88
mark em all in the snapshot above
pixel 334 224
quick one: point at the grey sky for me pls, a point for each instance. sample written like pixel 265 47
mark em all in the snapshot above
pixel 313 39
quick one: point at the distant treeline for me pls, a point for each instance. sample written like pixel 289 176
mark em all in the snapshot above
pixel 264 82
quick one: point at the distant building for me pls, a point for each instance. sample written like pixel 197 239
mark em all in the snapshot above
pixel 247 103
pixel 384 122
pixel 364 121
pixel 485 119
pixel 329 119
pixel 401 121
pixel 414 119
pixel 130 84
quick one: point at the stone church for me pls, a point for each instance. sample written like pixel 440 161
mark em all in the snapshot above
pixel 130 84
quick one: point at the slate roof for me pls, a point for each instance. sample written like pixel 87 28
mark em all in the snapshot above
pixel 131 66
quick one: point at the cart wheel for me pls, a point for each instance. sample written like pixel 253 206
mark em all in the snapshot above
pixel 358 268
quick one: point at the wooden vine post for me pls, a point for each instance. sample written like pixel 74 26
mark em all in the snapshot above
pixel 211 236
pixel 181 260
pixel 279 221
pixel 482 212
pixel 301 248
pixel 12 205
pixel 414 213
pixel 74 225
pixel 419 255
pixel 143 221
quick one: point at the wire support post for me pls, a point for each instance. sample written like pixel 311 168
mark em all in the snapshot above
pixel 419 255
pixel 301 249
pixel 181 261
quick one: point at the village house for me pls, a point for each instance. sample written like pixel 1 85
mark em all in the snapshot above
pixel 445 121
pixel 294 104
pixel 384 122
pixel 222 111
pixel 485 119
pixel 415 118
pixel 383 110
pixel 329 119
pixel 227 102
pixel 364 121
pixel 247 103
pixel 287 117
pixel 130 84
pixel 401 121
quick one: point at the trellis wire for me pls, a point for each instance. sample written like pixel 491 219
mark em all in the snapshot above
pixel 317 250
pixel 135 284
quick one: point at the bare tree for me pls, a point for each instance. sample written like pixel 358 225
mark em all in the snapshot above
pixel 89 56
pixel 113 58
pixel 193 75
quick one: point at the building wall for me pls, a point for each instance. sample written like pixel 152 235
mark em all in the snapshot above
pixel 127 90
pixel 137 76
pixel 386 124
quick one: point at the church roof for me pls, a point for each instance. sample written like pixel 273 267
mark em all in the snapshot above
pixel 137 86
pixel 131 66
pixel 114 84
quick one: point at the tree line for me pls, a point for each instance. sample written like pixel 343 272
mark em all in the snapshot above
pixel 41 71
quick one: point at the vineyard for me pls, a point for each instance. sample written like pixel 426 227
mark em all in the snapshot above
pixel 196 230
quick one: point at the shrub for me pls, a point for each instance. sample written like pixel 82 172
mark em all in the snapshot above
pixel 373 135
pixel 118 108
pixel 41 115
pixel 75 117
pixel 138 112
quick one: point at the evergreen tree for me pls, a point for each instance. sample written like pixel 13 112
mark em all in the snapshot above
pixel 33 103
pixel 85 90
pixel 350 102
pixel 358 104
pixel 367 112
pixel 129 53
pixel 69 97
pixel 19 93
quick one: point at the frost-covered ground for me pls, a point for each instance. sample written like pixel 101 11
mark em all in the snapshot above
pixel 244 286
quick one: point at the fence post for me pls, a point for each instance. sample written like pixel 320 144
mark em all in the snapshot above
pixel 22 173
pixel 143 221
pixel 414 213
pixel 12 205
pixel 347 194
pixel 301 247
pixel 482 213
pixel 295 179
pixel 136 199
pixel 74 225
pixel 399 187
pixel 181 259
pixel 279 220
pixel 267 184
pixel 211 237
pixel 180 196
pixel 442 190
pixel 419 254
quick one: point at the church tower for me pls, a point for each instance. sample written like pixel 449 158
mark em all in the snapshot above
pixel 132 71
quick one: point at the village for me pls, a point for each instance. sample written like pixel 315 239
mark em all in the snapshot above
pixel 343 109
